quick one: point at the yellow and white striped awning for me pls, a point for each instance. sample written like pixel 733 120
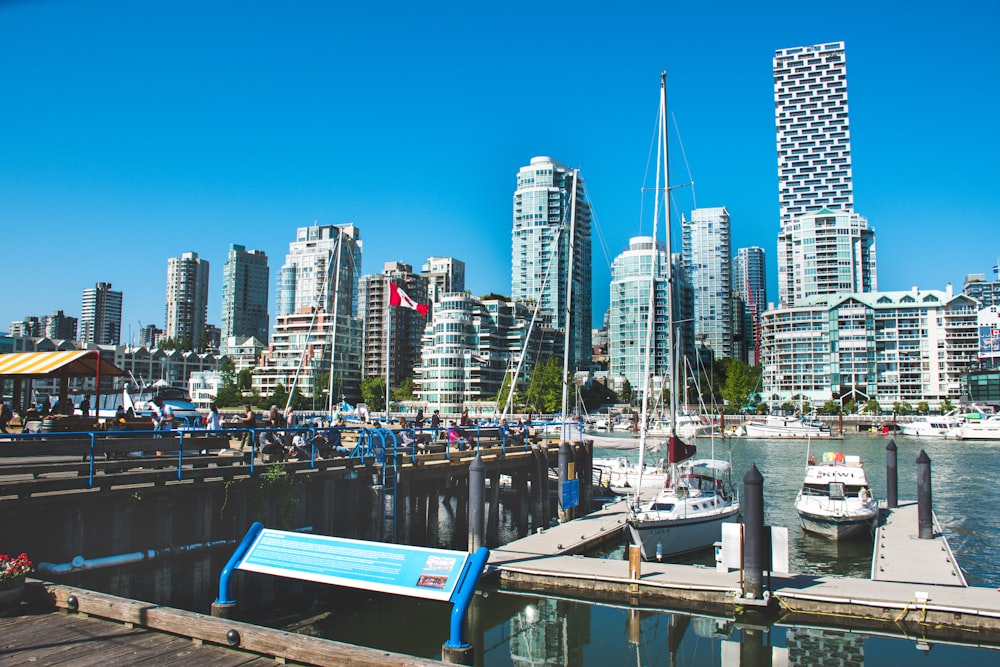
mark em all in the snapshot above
pixel 76 363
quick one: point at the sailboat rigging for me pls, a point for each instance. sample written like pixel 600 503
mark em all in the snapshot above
pixel 697 497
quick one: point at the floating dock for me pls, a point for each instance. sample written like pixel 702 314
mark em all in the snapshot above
pixel 918 588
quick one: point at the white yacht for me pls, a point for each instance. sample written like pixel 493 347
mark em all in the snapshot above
pixel 980 429
pixel 687 515
pixel 779 426
pixel 835 500
pixel 932 426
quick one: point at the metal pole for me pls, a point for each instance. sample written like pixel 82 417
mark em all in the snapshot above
pixel 565 457
pixel 925 512
pixel 891 476
pixel 753 534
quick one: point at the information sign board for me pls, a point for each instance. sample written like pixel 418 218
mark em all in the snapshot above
pixel 390 568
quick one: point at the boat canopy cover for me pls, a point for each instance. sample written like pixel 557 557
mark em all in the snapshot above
pixel 714 464
pixel 75 363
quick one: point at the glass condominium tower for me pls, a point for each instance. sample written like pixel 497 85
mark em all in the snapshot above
pixel 544 224
pixel 708 257
pixel 245 278
pixel 814 147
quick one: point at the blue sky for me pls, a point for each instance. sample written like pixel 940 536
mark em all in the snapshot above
pixel 135 131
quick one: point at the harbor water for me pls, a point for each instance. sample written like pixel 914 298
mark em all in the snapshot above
pixel 518 629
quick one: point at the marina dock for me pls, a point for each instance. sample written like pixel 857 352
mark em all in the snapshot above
pixel 918 588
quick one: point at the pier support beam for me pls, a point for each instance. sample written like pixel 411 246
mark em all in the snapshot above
pixel 925 512
pixel 891 476
pixel 754 540
pixel 477 503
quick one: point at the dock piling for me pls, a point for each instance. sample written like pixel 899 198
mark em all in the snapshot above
pixel 477 503
pixel 891 477
pixel 754 542
pixel 925 512
pixel 565 462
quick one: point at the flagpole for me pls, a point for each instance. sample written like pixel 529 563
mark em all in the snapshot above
pixel 388 311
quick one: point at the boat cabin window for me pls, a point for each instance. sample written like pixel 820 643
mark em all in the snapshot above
pixel 663 507
pixel 836 490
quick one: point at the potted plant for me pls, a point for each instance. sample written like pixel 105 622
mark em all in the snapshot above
pixel 12 574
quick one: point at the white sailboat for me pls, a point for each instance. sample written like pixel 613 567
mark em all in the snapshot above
pixel 697 496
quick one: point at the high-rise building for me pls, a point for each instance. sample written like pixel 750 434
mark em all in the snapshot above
pixel 404 326
pixel 59 325
pixel 750 285
pixel 101 315
pixel 551 215
pixel 814 148
pixel 245 278
pixel 473 344
pixel 631 277
pixel 987 293
pixel 707 255
pixel 317 312
pixel 187 297
pixel 828 252
pixel 444 275
pixel 861 346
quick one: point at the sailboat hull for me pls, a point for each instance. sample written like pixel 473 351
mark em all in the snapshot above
pixel 661 540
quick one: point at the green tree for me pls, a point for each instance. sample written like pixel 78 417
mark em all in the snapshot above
pixel 625 395
pixel 404 392
pixel 545 387
pixel 946 405
pixel 872 407
pixel 373 393
pixel 923 408
pixel 902 408
pixel 244 381
pixel 740 382
pixel 831 407
pixel 202 341
pixel 850 407
pixel 279 397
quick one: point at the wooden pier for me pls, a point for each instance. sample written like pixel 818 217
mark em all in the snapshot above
pixel 60 625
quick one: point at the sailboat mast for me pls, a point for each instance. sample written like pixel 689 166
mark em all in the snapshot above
pixel 661 178
pixel 336 319
pixel 569 301
pixel 671 357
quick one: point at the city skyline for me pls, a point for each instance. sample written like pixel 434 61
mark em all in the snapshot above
pixel 135 136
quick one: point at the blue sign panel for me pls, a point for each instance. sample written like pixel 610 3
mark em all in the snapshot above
pixel 390 568
pixel 570 493
pixel 989 340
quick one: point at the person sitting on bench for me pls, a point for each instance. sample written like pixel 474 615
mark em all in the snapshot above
pixel 457 437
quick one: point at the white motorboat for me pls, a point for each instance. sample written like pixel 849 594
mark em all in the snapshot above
pixel 835 500
pixel 623 476
pixel 688 513
pixel 689 426
pixel 780 426
pixel 932 426
pixel 980 429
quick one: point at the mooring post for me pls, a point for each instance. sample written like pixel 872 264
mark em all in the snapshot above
pixel 891 477
pixel 925 512
pixel 477 503
pixel 753 534
pixel 565 459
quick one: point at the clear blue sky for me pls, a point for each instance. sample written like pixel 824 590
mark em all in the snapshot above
pixel 135 131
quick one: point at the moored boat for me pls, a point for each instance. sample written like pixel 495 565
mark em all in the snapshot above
pixel 932 426
pixel 780 426
pixel 982 429
pixel 835 500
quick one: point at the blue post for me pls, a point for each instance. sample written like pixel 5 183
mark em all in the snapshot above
pixel 224 603
pixel 180 455
pixel 458 650
pixel 90 480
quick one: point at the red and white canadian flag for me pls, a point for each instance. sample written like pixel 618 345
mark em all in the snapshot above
pixel 398 297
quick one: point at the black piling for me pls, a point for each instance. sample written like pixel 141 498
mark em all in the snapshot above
pixel 754 539
pixel 477 504
pixel 925 512
pixel 891 476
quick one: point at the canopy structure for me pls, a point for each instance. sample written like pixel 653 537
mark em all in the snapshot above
pixel 20 367
pixel 75 363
